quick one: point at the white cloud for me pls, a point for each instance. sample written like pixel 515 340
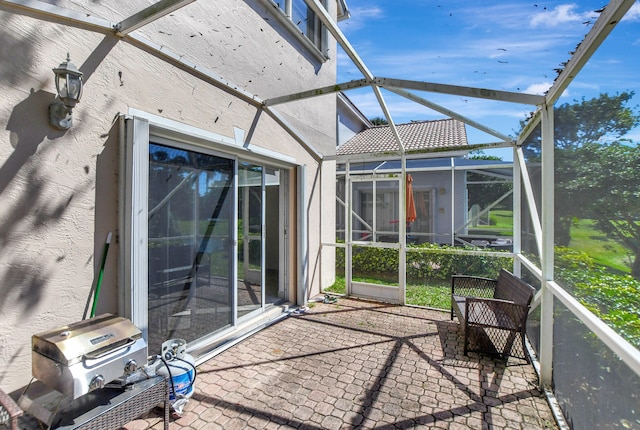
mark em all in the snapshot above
pixel 633 14
pixel 539 88
pixel 493 17
pixel 360 16
pixel 367 12
pixel 565 94
pixel 580 86
pixel 495 46
pixel 560 15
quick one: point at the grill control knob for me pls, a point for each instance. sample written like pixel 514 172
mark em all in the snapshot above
pixel 131 366
pixel 96 382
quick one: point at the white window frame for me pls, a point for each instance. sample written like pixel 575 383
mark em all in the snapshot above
pixel 136 130
pixel 284 15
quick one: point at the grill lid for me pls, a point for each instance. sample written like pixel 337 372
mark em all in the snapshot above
pixel 90 338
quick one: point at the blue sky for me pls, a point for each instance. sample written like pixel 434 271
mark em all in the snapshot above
pixel 494 44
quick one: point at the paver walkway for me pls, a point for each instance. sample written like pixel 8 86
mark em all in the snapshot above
pixel 358 364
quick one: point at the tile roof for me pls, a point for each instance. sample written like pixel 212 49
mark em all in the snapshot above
pixel 416 136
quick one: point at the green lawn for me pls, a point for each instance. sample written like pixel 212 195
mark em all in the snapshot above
pixel 501 224
pixel 604 251
pixel 436 295
pixel 584 238
pixel 502 219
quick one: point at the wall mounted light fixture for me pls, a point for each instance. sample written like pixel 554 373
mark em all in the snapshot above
pixel 69 87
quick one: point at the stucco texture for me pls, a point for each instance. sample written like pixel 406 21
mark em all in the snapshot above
pixel 59 189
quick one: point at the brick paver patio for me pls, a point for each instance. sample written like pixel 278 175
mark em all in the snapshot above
pixel 357 364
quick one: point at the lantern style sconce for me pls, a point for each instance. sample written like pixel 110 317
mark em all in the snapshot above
pixel 69 87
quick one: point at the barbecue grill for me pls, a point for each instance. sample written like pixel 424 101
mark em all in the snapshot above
pixel 86 355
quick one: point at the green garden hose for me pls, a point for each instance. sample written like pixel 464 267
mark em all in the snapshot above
pixel 104 260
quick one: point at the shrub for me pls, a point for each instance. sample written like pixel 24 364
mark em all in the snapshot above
pixel 424 262
pixel 614 298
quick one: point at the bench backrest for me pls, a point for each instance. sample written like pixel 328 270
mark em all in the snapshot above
pixel 510 287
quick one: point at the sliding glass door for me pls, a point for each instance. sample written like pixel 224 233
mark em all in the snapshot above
pixel 205 241
pixel 250 230
pixel 261 229
pixel 191 214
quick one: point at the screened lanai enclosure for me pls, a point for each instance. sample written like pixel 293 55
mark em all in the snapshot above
pixel 553 195
pixel 560 210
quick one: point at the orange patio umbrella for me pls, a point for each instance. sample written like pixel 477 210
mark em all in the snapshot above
pixel 411 203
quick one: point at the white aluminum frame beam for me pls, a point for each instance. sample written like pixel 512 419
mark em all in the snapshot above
pixel 278 118
pixel 332 27
pixel 529 127
pixel 358 83
pixel 56 14
pixel 621 347
pixel 148 15
pixel 433 106
pixel 528 191
pixel 612 14
pixel 419 154
pixel 517 212
pixel 50 13
pixel 547 247
pixel 607 20
pixel 457 90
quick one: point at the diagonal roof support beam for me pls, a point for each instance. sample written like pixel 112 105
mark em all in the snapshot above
pixel 332 27
pixel 482 93
pixel 277 117
pixel 607 20
pixel 56 14
pixel 530 125
pixel 51 13
pixel 318 92
pixel 181 63
pixel 387 114
pixel 448 112
pixel 148 15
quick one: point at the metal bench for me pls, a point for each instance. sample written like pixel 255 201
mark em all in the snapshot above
pixel 493 312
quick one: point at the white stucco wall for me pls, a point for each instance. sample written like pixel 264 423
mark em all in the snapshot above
pixel 59 190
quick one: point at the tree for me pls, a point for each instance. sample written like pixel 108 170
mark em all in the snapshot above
pixel 610 176
pixel 587 121
pixel 488 189
pixel 595 121
pixel 379 121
